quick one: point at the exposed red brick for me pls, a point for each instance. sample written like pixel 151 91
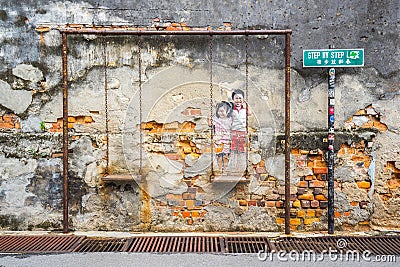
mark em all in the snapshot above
pixel 295 221
pixel 368 124
pixel 242 202
pixel 170 28
pixel 318 191
pixel 301 190
pixel 360 158
pixel 320 163
pixel 187 127
pixel 295 151
pixel 272 197
pixel 379 125
pixel 252 203
pixel 173 156
pixel 192 112
pixel 354 203
pixel 186 214
pixel 270 203
pixel 320 197
pixel 319 170
pixel 314 204
pixel 189 203
pixel 296 204
pixel 347 213
pixel 364 184
pixel 302 184
pixel 306 197
pixel 305 204
pixel 10 121
pixel 359 145
pixel 88 119
pixel 279 204
pixel 175 213
pixel 262 203
pixel 309 177
pixel 309 221
pixel 195 214
pixel 310 213
pixel 342 150
pixel 316 183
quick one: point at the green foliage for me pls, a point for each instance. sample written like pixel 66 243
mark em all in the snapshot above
pixel 42 126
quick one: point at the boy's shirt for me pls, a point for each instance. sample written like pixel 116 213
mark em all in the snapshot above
pixel 239 117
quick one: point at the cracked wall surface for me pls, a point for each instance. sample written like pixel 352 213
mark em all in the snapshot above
pixel 152 124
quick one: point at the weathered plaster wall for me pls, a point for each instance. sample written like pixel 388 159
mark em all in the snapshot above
pixel 176 192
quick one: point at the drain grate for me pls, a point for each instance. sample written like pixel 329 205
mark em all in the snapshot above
pixel 377 245
pixel 36 244
pixel 176 244
pixel 247 244
pixel 102 245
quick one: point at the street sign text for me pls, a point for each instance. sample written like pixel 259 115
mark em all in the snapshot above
pixel 333 58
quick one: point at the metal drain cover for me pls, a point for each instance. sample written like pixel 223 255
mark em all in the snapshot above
pixel 171 244
pixel 39 244
pixel 377 245
pixel 102 245
pixel 247 244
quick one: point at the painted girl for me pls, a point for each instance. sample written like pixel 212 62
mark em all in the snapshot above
pixel 222 132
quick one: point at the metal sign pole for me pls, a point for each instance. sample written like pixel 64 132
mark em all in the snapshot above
pixel 331 153
pixel 332 58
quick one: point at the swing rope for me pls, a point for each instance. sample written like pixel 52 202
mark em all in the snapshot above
pixel 211 106
pixel 247 103
pixel 106 103
pixel 140 104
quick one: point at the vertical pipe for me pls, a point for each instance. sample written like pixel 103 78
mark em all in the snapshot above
pixel 287 134
pixel 65 133
pixel 331 153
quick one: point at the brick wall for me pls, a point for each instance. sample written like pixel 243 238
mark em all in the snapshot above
pixel 9 121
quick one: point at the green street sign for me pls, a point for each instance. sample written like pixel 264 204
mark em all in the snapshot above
pixel 333 58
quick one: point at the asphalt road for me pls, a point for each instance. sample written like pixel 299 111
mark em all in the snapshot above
pixel 177 260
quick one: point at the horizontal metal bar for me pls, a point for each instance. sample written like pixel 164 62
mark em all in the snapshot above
pixel 152 32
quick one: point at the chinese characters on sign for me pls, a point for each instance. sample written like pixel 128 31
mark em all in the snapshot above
pixel 333 58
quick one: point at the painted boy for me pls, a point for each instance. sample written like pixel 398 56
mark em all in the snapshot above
pixel 237 160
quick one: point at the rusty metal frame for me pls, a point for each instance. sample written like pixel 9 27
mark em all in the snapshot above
pixel 123 31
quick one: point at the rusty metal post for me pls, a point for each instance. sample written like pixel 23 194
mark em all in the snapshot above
pixel 287 133
pixel 65 132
